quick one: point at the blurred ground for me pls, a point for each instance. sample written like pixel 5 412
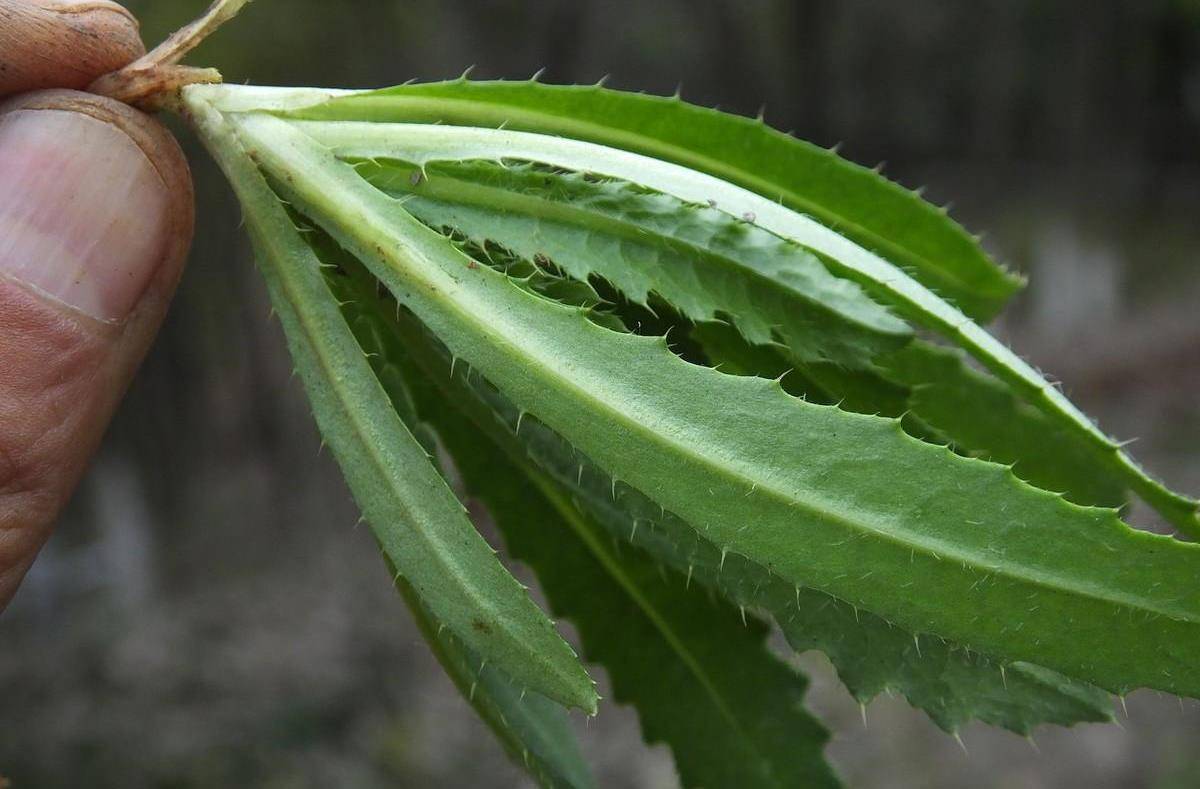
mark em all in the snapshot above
pixel 208 615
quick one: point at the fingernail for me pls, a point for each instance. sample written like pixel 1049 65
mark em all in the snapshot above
pixel 83 212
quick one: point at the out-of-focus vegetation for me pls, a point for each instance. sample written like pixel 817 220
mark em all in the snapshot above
pixel 209 615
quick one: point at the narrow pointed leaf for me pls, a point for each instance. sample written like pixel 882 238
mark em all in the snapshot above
pixel 534 730
pixel 744 723
pixel 699 260
pixel 844 503
pixel 697 672
pixel 420 525
pixel 880 277
pixel 953 685
pixel 853 200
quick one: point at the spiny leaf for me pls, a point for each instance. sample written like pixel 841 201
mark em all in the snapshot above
pixel 533 730
pixel 844 503
pixel 420 525
pixel 744 722
pixel 697 671
pixel 855 201
pixel 953 685
pixel 885 281
pixel 978 413
pixel 940 400
pixel 705 263
pixel 700 260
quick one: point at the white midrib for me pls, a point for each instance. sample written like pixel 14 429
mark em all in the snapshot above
pixel 368 216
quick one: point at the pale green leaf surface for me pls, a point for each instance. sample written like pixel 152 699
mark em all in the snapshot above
pixel 951 684
pixel 420 144
pixel 701 679
pixel 844 503
pixel 420 525
pixel 853 200
pixel 707 264
pixel 698 259
pixel 943 401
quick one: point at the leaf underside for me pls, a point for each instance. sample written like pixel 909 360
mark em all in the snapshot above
pixel 936 530
pixel 533 730
pixel 421 527
pixel 951 684
pixel 649 243
pixel 854 200
pixel 744 723
pixel 394 131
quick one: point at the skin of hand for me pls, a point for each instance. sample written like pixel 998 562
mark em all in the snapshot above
pixel 96 217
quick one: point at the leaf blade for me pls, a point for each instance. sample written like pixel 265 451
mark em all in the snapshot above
pixel 590 385
pixel 532 729
pixel 951 684
pixel 880 277
pixel 858 202
pixel 418 522
pixel 744 722
pixel 696 258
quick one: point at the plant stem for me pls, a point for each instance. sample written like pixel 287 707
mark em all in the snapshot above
pixel 151 79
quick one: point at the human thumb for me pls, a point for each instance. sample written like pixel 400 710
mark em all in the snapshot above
pixel 95 221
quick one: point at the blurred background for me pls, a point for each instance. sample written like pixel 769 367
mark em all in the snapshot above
pixel 207 614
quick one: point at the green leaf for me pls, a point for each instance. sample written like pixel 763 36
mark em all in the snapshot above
pixel 844 503
pixel 699 260
pixel 978 413
pixel 743 723
pixel 953 685
pixel 420 525
pixel 706 264
pixel 697 671
pixel 883 279
pixel 853 200
pixel 943 401
pixel 533 730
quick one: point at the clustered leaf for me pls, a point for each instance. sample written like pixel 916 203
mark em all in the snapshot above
pixel 952 684
pixel 789 451
pixel 522 105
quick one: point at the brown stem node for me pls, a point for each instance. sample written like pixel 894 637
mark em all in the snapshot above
pixel 151 80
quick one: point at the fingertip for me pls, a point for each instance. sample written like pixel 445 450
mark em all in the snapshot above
pixel 96 203
pixel 63 43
